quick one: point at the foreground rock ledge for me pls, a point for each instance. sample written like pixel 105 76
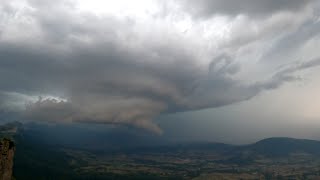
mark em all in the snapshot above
pixel 7 149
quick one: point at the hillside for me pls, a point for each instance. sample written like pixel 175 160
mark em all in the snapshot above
pixel 282 146
pixel 43 156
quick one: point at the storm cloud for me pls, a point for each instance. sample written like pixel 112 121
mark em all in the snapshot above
pixel 67 64
pixel 261 8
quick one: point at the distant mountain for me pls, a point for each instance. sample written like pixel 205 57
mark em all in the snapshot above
pixel 10 126
pixel 10 129
pixel 123 138
pixel 129 139
pixel 282 146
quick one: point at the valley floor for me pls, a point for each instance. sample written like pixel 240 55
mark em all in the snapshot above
pixel 195 165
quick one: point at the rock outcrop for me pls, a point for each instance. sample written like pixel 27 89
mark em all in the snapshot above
pixel 7 149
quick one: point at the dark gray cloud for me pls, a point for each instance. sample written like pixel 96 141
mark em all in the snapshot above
pixel 106 69
pixel 261 8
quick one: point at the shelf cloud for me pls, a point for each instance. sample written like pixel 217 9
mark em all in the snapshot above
pixel 129 68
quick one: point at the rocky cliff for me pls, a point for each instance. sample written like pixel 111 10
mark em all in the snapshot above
pixel 7 149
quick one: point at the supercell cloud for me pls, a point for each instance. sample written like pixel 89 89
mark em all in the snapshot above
pixel 127 62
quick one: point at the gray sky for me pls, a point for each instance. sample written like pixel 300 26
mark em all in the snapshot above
pixel 232 70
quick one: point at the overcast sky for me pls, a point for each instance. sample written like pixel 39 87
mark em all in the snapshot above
pixel 232 70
